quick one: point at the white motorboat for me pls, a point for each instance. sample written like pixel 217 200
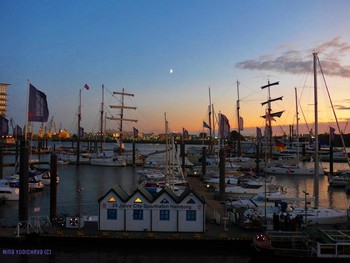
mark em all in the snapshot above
pixel 253 187
pixel 108 161
pixel 107 158
pixel 8 193
pixel 293 170
pixel 42 174
pixel 340 178
pixel 34 184
pixel 320 215
pixel 45 177
pixel 259 201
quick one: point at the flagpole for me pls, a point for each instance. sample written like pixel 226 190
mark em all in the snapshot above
pixel 78 135
pixel 203 134
pixel 27 112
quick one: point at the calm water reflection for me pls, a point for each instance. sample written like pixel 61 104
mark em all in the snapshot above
pixel 95 181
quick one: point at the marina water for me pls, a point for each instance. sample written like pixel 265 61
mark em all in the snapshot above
pixel 81 186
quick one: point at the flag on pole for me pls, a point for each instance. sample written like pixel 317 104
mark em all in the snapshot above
pixel 331 134
pixel 224 126
pixel 258 133
pixel 4 126
pixel 185 134
pixel 37 107
pixel 205 125
pixel 240 123
pixel 136 132
pixel 269 117
pixel 17 131
pixel 279 146
pixel 86 86
pixel 81 132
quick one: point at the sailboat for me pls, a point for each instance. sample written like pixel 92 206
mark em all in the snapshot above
pixel 317 214
pixel 195 154
pixel 294 169
pixel 323 245
pixel 171 174
pixel 105 157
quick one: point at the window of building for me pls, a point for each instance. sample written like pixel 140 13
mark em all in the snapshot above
pixel 112 200
pixel 191 201
pixel 164 201
pixel 138 200
pixel 138 214
pixel 191 215
pixel 164 215
pixel 111 214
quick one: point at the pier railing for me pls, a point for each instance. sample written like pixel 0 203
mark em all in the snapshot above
pixel 35 224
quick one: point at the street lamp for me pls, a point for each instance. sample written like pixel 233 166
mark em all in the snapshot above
pixel 79 190
pixel 306 194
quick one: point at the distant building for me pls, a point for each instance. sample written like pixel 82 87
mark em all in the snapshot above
pixel 3 98
pixel 142 211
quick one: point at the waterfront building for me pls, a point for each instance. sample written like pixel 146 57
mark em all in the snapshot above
pixel 141 211
pixel 3 98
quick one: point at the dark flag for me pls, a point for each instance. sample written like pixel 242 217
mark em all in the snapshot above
pixel 331 134
pixel 279 146
pixel 17 131
pixel 136 132
pixel 4 126
pixel 224 126
pixel 258 134
pixel 81 132
pixel 240 123
pixel 205 125
pixel 185 134
pixel 86 86
pixel 37 108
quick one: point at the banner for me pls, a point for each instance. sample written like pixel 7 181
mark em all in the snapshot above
pixel 224 126
pixel 17 131
pixel 331 134
pixel 37 107
pixel 279 146
pixel 241 124
pixel 4 126
pixel 136 132
pixel 258 133
pixel 81 132
pixel 205 125
pixel 185 134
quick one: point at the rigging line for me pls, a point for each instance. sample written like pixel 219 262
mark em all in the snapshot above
pixel 335 116
pixel 300 106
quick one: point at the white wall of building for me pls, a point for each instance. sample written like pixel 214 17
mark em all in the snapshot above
pixel 163 214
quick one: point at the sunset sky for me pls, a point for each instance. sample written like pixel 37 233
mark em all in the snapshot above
pixel 169 54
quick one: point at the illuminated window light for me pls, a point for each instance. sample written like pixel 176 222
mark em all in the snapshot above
pixel 138 200
pixel 112 200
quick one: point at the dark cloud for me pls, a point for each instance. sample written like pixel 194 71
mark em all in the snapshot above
pixel 341 107
pixel 296 62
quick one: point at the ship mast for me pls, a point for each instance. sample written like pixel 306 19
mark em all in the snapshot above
pixel 316 175
pixel 102 122
pixel 239 122
pixel 121 119
pixel 211 146
pixel 269 116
